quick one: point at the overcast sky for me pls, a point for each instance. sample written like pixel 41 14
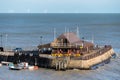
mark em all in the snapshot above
pixel 59 6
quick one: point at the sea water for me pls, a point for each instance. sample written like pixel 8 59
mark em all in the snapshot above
pixel 25 30
pixel 29 30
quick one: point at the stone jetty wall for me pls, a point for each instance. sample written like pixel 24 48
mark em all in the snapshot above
pixel 45 60
pixel 7 53
pixel 7 56
pixel 86 64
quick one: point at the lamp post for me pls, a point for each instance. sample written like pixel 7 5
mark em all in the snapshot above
pixel 83 41
pixel 1 39
pixel 6 41
pixel 41 40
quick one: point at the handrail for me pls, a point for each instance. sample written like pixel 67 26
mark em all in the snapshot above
pixel 63 45
pixel 98 53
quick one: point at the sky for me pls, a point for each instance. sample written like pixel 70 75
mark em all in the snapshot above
pixel 59 6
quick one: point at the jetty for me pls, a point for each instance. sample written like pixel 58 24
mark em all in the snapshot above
pixel 65 52
pixel 69 52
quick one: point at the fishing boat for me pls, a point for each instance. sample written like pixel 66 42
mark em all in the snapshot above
pixel 0 64
pixel 33 67
pixel 22 65
pixel 15 66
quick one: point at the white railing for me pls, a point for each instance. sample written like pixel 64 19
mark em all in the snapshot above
pixel 62 45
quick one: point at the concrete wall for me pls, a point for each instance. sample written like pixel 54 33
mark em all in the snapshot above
pixel 8 53
pixel 86 64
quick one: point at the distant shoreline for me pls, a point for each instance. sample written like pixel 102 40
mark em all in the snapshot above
pixel 59 13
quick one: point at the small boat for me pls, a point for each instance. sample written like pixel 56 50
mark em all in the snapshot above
pixel 33 67
pixel 15 66
pixel 5 63
pixel 0 64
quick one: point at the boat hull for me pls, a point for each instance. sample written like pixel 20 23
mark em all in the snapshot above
pixel 15 68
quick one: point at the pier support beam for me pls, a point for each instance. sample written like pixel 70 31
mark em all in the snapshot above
pixel 61 63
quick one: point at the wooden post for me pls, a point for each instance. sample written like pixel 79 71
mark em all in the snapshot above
pixel 59 66
pixel 35 61
pixel 56 65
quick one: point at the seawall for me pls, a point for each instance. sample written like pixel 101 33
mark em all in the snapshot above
pixel 45 60
pixel 86 64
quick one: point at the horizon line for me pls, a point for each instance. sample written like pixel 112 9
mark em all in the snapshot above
pixel 56 13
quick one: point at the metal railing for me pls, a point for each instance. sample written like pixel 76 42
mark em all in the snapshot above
pixel 64 45
pixel 98 53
